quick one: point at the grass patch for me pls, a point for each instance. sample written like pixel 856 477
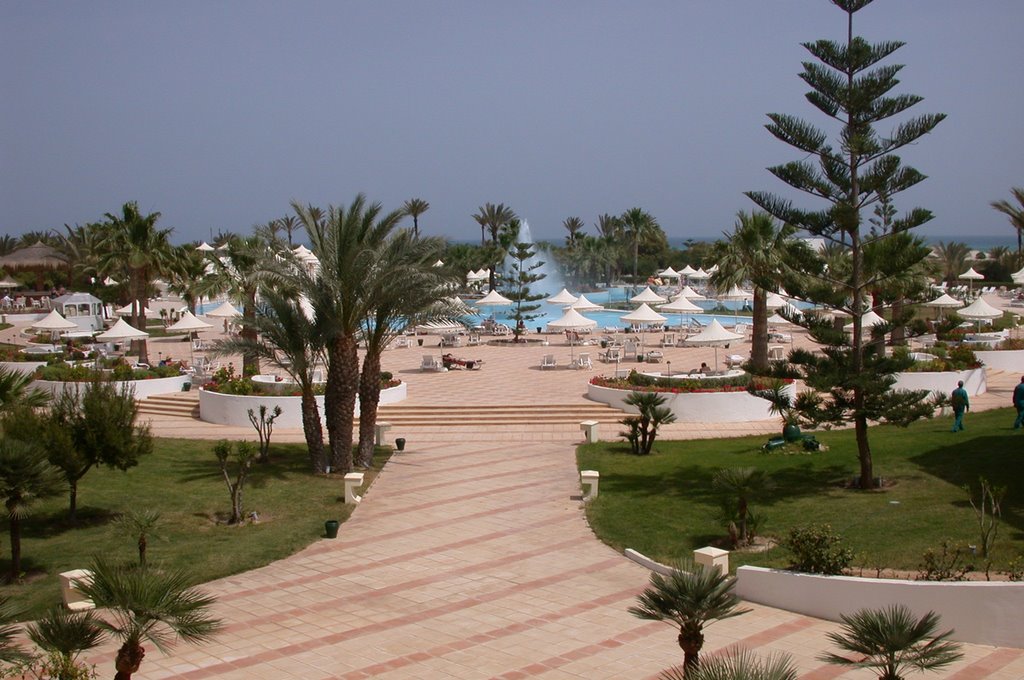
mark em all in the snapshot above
pixel 181 480
pixel 663 505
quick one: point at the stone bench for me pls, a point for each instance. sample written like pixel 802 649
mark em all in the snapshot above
pixel 378 432
pixel 353 480
pixel 589 428
pixel 73 597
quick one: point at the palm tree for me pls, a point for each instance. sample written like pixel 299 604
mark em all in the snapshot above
pixel 952 259
pixel 573 225
pixel 342 242
pixel 639 225
pixel 690 597
pixel 16 391
pixel 739 486
pixel 1015 213
pixel 289 224
pixel 643 428
pixel 186 273
pixel 736 664
pixel 148 605
pixel 288 339
pixel 494 218
pixel 405 288
pixel 142 523
pixel 65 635
pixel 246 268
pixel 759 251
pixel 891 640
pixel 25 477
pixel 416 207
pixel 131 244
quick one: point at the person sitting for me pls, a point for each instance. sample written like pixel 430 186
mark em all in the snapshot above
pixel 704 368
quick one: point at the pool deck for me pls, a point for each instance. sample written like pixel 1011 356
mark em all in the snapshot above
pixel 470 557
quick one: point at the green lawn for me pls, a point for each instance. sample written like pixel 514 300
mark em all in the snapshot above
pixel 663 504
pixel 182 480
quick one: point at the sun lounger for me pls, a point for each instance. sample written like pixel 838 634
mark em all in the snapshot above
pixel 655 357
pixel 612 354
pixel 431 363
pixel 548 361
pixel 668 340
pixel 583 361
pixel 450 361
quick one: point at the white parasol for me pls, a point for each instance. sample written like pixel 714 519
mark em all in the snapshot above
pixel 971 276
pixel 189 323
pixel 944 301
pixel 130 309
pixel 690 294
pixel 8 282
pixel 54 322
pixel 570 321
pixel 700 275
pixel 645 316
pixel 713 336
pixel 979 310
pixel 647 295
pixel 867 320
pixel 669 273
pixel 681 306
pixel 775 301
pixel 121 330
pixel 204 247
pixel 582 304
pixel 562 297
pixel 492 298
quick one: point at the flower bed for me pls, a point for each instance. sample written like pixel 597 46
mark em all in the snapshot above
pixel 724 401
pixel 233 409
pixel 142 388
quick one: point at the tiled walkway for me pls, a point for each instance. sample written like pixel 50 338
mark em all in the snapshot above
pixel 473 560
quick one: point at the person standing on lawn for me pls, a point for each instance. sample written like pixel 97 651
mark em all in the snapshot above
pixel 961 404
pixel 1018 402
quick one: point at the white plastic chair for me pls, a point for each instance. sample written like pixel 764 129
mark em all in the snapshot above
pixel 548 361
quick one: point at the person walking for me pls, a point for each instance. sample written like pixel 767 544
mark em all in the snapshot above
pixel 961 404
pixel 1018 402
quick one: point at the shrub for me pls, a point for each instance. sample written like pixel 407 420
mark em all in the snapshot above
pixel 818 550
pixel 946 564
pixel 638 382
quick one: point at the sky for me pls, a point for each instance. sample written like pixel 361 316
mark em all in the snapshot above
pixel 218 114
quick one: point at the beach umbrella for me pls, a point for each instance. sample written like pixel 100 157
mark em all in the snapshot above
pixel 644 316
pixel 682 306
pixel 189 323
pixel 700 275
pixel 775 301
pixel 712 269
pixel 687 271
pixel 713 336
pixel 439 263
pixel 130 309
pixel 121 331
pixel 867 320
pixel 582 304
pixel 971 276
pixel 979 310
pixel 690 294
pixel 669 273
pixel 776 320
pixel 572 321
pixel 944 301
pixel 492 298
pixel 647 295
pixel 55 323
pixel 37 255
pixel 735 293
pixel 204 247
pixel 562 297
pixel 224 310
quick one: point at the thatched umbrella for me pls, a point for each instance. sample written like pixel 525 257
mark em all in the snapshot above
pixel 36 257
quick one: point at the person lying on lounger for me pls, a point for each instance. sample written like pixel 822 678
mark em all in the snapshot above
pixel 452 361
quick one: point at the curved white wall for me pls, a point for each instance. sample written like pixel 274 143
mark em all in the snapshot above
pixel 233 409
pixel 944 382
pixel 694 407
pixel 1002 360
pixel 143 388
pixel 981 612
pixel 24 367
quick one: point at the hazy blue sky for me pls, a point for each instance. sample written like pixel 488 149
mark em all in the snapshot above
pixel 217 114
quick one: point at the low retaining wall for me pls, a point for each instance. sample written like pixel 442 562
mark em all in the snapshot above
pixel 694 407
pixel 944 382
pixel 1002 360
pixel 981 612
pixel 23 367
pixel 143 388
pixel 233 409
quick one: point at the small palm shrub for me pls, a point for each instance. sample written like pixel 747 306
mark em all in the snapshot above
pixel 736 664
pixel 643 428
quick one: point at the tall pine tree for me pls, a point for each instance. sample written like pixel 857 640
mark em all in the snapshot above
pixel 852 88
pixel 524 267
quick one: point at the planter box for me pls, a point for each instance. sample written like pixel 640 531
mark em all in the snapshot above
pixel 944 382
pixel 695 407
pixel 1002 359
pixel 142 388
pixel 986 613
pixel 233 409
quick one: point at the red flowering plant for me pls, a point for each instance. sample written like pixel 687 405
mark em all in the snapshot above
pixel 638 382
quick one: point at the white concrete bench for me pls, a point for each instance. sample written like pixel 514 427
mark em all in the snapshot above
pixel 590 478
pixel 353 480
pixel 589 428
pixel 378 432
pixel 73 597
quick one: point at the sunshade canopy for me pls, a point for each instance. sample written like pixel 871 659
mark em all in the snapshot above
pixel 562 297
pixel 714 334
pixel 582 304
pixel 204 247
pixel 121 330
pixel 647 295
pixel 979 309
pixel 54 322
pixel 669 273
pixel 687 270
pixel 572 319
pixel 691 294
pixel 700 275
pixel 775 301
pixel 867 320
pixel 643 314
pixel 188 322
pixel 493 298
pixel 680 305
pixel 945 300
pixel 972 275
pixel 36 255
pixel 224 310
pixel 776 320
pixel 130 308
pixel 9 283
pixel 737 293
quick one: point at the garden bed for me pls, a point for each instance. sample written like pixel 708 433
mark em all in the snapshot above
pixel 142 388
pixel 943 382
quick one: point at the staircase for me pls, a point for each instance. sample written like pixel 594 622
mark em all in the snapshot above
pixel 186 405
pixel 178 404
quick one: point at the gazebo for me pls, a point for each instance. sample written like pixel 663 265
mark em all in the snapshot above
pixel 82 309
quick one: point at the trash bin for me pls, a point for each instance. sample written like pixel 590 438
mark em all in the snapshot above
pixel 400 443
pixel 331 528
pixel 186 387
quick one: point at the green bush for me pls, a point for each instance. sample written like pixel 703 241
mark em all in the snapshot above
pixel 818 550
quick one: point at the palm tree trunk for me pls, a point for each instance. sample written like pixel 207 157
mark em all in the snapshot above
pixel 250 361
pixel 313 430
pixel 129 658
pixel 15 525
pixel 691 644
pixel 142 550
pixel 340 400
pixel 899 331
pixel 759 333
pixel 369 399
pixel 73 500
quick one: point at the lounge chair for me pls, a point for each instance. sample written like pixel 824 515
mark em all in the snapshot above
pixel 584 361
pixel 612 354
pixel 668 340
pixel 548 361
pixel 474 339
pixel 776 353
pixel 452 361
pixel 655 357
pixel 431 363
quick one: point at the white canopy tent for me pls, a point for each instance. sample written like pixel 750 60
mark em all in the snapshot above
pixel 571 321
pixel 669 273
pixel 647 295
pixel 55 323
pixel 971 276
pixel 582 304
pixel 189 323
pixel 644 316
pixel 945 301
pixel 979 310
pixel 713 336
pixel 690 294
pixel 204 247
pixel 681 306
pixel 492 298
pixel 562 297
pixel 867 320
